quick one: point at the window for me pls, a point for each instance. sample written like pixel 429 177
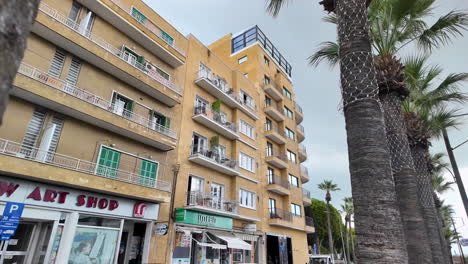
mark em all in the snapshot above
pixel 217 195
pixel 270 175
pixel 247 99
pixel 122 105
pixel 269 149
pixel 272 207
pixel 288 113
pixel 296 209
pixel 266 60
pixel 242 60
pixel 266 80
pixel 293 180
pixel 287 93
pixel 153 69
pixel 247 129
pixel 159 120
pixel 247 199
pixel 247 162
pixel 138 15
pixel 268 125
pixel 199 144
pixel 74 71
pixel 57 62
pixel 74 11
pixel 267 101
pixel 167 38
pixel 289 133
pixel 108 161
pixel 148 171
pixel 291 156
pixel 195 188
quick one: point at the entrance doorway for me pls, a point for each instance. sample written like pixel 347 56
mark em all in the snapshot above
pixel 131 243
pixel 29 244
pixel 279 250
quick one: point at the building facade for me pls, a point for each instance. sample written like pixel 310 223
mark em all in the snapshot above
pixel 131 143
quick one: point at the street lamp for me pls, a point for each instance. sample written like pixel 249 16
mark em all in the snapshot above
pixel 453 162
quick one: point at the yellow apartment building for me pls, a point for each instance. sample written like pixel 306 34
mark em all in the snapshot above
pixel 128 142
pixel 90 134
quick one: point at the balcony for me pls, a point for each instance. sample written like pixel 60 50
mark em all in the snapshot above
pixel 273 90
pixel 302 153
pixel 63 32
pixel 278 185
pixel 309 224
pixel 145 32
pixel 212 159
pixel 90 108
pixel 275 134
pixel 304 174
pixel 298 112
pixel 300 133
pixel 306 197
pixel 69 163
pixel 219 89
pixel 275 111
pixel 215 121
pixel 277 159
pixel 279 217
pixel 207 203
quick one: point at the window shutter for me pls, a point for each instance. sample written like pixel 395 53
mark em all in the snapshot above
pixel 167 122
pixel 33 131
pixel 108 162
pixel 58 121
pixel 166 37
pixel 56 65
pixel 74 72
pixel 148 170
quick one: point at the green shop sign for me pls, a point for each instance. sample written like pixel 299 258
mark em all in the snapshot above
pixel 202 219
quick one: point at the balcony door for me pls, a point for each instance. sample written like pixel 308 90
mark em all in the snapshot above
pixel 199 144
pixel 200 105
pixel 269 149
pixel 272 207
pixel 195 190
pixel 217 193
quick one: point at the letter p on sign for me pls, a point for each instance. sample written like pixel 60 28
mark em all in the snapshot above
pixel 13 208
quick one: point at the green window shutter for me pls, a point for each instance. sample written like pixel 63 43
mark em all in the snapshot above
pixel 129 106
pixel 167 122
pixel 163 73
pixel 138 15
pixel 108 163
pixel 148 171
pixel 166 37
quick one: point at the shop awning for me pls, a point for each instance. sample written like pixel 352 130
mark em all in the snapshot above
pixel 211 245
pixel 232 241
pixel 246 237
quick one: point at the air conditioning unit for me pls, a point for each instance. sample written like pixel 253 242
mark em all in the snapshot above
pixel 250 228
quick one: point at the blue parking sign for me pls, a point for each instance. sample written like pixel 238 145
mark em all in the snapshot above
pixel 10 219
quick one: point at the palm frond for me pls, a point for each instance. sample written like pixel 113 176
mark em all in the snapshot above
pixel 330 18
pixel 440 119
pixel 274 6
pixel 327 51
pixel 443 30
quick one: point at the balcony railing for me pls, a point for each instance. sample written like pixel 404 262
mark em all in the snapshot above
pixel 147 67
pixel 88 97
pixel 276 153
pixel 276 213
pixel 298 107
pixel 306 193
pixel 309 221
pixel 211 201
pixel 215 155
pixel 302 148
pixel 216 117
pixel 222 85
pixel 274 128
pixel 149 25
pixel 274 105
pixel 301 128
pixel 304 170
pixel 279 181
pixel 272 84
pixel 18 150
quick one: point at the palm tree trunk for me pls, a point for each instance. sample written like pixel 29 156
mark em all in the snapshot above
pixel 380 237
pixel 330 237
pixel 348 256
pixel 352 242
pixel 419 154
pixel 404 175
pixel 443 241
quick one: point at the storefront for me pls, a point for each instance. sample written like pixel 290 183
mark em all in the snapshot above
pixel 278 249
pixel 202 238
pixel 63 225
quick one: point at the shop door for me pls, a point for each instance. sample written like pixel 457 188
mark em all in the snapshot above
pixel 28 245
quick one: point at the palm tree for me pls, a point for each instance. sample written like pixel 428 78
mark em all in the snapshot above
pixel 329 186
pixel 369 160
pixel 348 209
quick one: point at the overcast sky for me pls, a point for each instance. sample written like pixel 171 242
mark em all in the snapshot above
pixel 296 32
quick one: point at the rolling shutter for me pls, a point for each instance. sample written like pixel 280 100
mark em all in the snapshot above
pixel 33 131
pixel 56 65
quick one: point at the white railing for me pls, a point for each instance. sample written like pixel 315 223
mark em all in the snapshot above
pixel 215 155
pixel 301 128
pixel 211 201
pixel 88 97
pixel 304 170
pixel 298 107
pixel 144 68
pixel 149 25
pixel 302 148
pixel 306 193
pixel 215 117
pixel 18 150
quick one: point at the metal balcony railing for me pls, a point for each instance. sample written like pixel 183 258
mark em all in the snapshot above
pixel 279 181
pixel 304 170
pixel 298 107
pixel 216 117
pixel 88 97
pixel 276 153
pixel 274 128
pixel 301 128
pixel 209 200
pixel 309 221
pixel 150 25
pixel 272 84
pixel 147 67
pixel 214 154
pixel 306 193
pixel 303 148
pixel 222 85
pixel 18 150
pixel 276 213
pixel 274 105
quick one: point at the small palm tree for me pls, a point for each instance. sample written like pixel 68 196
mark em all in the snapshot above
pixel 329 187
pixel 348 209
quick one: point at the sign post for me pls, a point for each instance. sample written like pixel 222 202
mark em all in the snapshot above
pixel 9 223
